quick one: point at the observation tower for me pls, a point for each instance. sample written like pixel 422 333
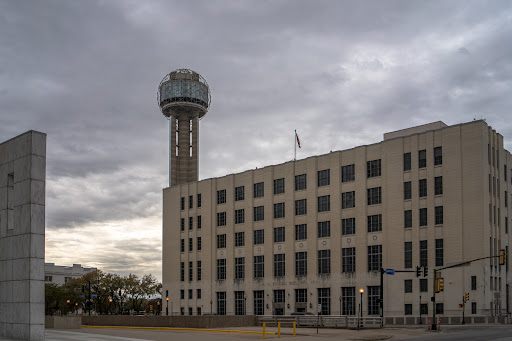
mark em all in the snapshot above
pixel 184 98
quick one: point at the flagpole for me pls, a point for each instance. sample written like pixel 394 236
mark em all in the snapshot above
pixel 295 144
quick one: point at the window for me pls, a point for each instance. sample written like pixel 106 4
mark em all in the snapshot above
pixel 424 308
pixel 221 197
pixel 439 252
pixel 221 219
pixel 324 203
pixel 258 190
pixel 259 267
pixel 182 271
pixel 198 294
pixel 506 199
pixel 408 255
pixel 198 222
pixel 190 201
pixel 190 244
pixel 423 285
pixel 221 303
pixel 221 241
pixel 506 224
pixel 182 203
pixel 423 188
pixel 324 229
pixel 278 234
pixel 348 173
pixel 348 297
pixel 190 294
pixel 199 200
pixel 48 278
pixel 373 168
pixel 221 269
pixel 198 270
pixel 408 309
pixel 259 213
pixel 259 301
pixel 190 223
pixel 279 265
pixel 182 311
pixel 182 245
pixel 182 224
pixel 301 232
pixel 279 186
pixel 422 158
pixel 423 253
pixel 324 298
pixel 423 217
pixel 324 178
pixel 301 263
pixel 438 185
pixel 240 268
pixel 301 207
pixel 259 237
pixel 239 216
pixel 439 308
pixel 239 193
pixel 190 311
pixel 408 285
pixel 182 294
pixel 348 226
pixel 473 307
pixel 301 295
pixel 408 218
pixel 279 210
pixel 438 156
pixel 439 215
pixel 278 296
pixel 375 223
pixel 374 196
pixel 374 257
pixel 239 302
pixel 348 260
pixel 300 182
pixel 239 239
pixel 407 162
pixel 407 190
pixel 373 300
pixel 324 262
pixel 348 199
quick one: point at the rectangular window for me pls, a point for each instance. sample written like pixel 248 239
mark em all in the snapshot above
pixel 407 162
pixel 221 241
pixel 324 229
pixel 348 173
pixel 408 218
pixel 182 203
pixel 423 285
pixel 373 168
pixel 424 308
pixel 301 232
pixel 259 267
pixel 439 215
pixel 198 294
pixel 301 263
pixel 190 244
pixel 439 308
pixel 324 299
pixel 348 226
pixel 301 295
pixel 259 213
pixel 423 217
pixel 221 197
pixel 221 269
pixel 408 255
pixel 240 268
pixel 221 219
pixel 408 309
pixel 408 285
pixel 506 224
pixel 422 158
pixel 374 196
pixel 279 210
pixel 278 296
pixel 182 294
pixel 240 216
pixel 279 234
pixel 182 245
pixel 182 224
pixel 348 260
pixel 423 253
pixel 190 201
pixel 182 272
pixel 199 200
pixel 239 193
pixel 439 252
pixel 259 237
pixel 324 203
pixel 190 311
pixel 301 207
pixel 348 199
pixel 239 239
pixel 324 177
pixel 375 223
pixel 198 222
pixel 407 190
pixel 506 199
pixel 423 188
pixel 374 257
pixel 279 186
pixel 348 297
pixel 324 262
pixel 300 182
pixel 239 302
pixel 438 185
pixel 373 300
pixel 190 223
pixel 258 190
pixel 259 302
pixel 221 303
pixel 190 271
pixel 438 156
pixel 279 262
pixel 198 270
pixel 473 307
pixel 473 282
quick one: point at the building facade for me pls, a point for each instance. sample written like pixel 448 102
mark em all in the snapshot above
pixel 289 237
pixel 61 274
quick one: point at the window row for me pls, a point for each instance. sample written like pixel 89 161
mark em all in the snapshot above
pixel 191 201
pixel 422 158
pixel 422 187
pixel 423 253
pixel 190 223
pixel 423 217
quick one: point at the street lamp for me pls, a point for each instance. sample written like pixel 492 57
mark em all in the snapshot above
pixel 167 308
pixel 211 306
pixel 340 304
pixel 361 308
pixel 245 304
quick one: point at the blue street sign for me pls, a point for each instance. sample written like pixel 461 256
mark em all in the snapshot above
pixel 390 271
pixel 82 296
pixel 95 296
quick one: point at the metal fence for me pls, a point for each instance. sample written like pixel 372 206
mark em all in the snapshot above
pixel 332 321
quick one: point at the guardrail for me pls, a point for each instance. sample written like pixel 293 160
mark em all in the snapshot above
pixel 331 321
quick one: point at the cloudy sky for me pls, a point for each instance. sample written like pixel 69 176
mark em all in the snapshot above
pixel 340 72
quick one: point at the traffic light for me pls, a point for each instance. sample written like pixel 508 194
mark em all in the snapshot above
pixel 439 285
pixel 467 297
pixel 418 271
pixel 503 258
pixel 425 271
pixel 460 305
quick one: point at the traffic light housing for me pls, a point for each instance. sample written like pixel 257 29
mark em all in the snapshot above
pixel 418 271
pixel 460 305
pixel 439 285
pixel 425 271
pixel 467 297
pixel 503 258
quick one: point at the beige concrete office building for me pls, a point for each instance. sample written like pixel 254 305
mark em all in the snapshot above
pixel 287 237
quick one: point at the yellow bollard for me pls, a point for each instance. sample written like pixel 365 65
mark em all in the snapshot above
pixel 264 329
pixel 294 323
pixel 278 330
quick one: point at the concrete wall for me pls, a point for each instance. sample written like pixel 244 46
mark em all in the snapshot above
pixel 22 223
pixel 212 321
pixel 63 322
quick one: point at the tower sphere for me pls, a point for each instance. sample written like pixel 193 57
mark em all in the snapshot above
pixel 183 93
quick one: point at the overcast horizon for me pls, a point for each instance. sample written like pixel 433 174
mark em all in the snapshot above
pixel 342 73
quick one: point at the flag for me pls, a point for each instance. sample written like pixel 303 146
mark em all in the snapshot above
pixel 298 141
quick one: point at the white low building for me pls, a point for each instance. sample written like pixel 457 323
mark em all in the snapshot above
pixel 61 274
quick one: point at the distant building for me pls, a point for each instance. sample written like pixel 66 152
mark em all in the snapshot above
pixel 61 274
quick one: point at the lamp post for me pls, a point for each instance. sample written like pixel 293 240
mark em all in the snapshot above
pixel 361 309
pixel 340 304
pixel 245 304
pixel 211 306
pixel 420 311
pixel 167 308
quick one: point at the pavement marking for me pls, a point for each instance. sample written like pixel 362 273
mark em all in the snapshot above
pixel 184 329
